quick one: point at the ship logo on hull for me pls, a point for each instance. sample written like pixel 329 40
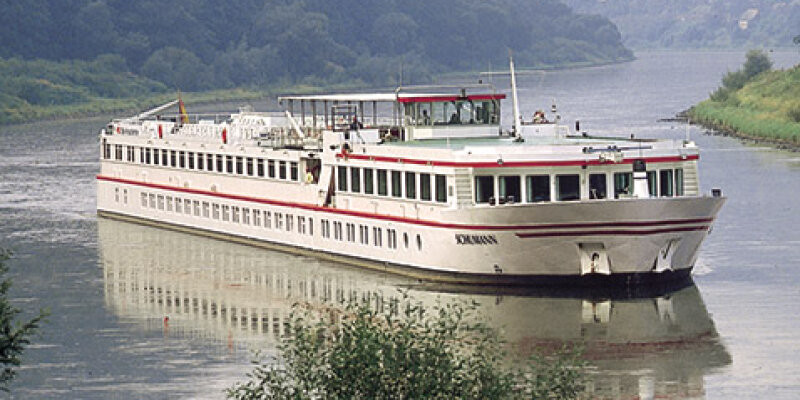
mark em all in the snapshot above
pixel 482 240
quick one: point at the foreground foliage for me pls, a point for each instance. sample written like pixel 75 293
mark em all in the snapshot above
pixel 14 333
pixel 755 102
pixel 403 350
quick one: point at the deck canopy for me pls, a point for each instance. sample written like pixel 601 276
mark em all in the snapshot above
pixel 415 106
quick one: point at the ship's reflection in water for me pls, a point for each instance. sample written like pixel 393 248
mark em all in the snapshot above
pixel 652 346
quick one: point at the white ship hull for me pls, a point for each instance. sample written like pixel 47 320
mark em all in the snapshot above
pixel 522 244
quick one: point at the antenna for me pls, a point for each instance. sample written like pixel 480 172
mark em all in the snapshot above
pixel 688 125
pixel 515 102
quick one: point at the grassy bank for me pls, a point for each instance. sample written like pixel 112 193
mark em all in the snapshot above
pixel 767 108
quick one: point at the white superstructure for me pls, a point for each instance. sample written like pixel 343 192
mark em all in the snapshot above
pixel 421 182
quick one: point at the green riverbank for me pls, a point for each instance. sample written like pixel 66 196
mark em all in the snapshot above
pixel 765 107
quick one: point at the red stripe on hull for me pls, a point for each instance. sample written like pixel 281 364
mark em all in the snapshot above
pixel 508 164
pixel 435 224
pixel 629 232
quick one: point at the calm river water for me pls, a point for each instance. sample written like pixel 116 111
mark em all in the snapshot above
pixel 110 285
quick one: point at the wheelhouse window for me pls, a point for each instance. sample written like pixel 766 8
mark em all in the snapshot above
pixel 568 187
pixel 538 188
pixel 623 182
pixel 484 189
pixel 397 184
pixel 510 189
pixel 425 187
pixel 355 180
pixel 597 186
pixel 453 112
pixel 665 183
pixel 341 178
pixel 441 188
pixel 383 184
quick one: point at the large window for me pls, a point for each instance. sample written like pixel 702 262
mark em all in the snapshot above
pixel 294 174
pixel 282 169
pixel 623 184
pixel 425 186
pixel 441 188
pixel 250 170
pixel 678 182
pixel 229 164
pixel 239 165
pixel 383 184
pixel 538 188
pixel 355 180
pixel 510 189
pixel 665 183
pixel 568 187
pixel 368 181
pixel 597 186
pixel 484 189
pixel 271 168
pixel 341 178
pixel 260 167
pixel 652 183
pixel 182 159
pixel 397 184
pixel 411 185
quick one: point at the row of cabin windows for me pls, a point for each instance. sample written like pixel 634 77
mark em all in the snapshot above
pixel 248 166
pixel 272 220
pixel 567 187
pixel 411 185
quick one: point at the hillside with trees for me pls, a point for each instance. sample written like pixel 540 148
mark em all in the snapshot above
pixel 58 52
pixel 699 24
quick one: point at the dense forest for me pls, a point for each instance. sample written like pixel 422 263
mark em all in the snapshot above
pixel 62 52
pixel 700 24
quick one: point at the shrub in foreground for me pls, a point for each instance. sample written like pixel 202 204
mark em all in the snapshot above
pixel 14 334
pixel 403 350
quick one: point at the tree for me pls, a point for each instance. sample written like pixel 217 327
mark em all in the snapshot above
pixel 757 61
pixel 14 333
pixel 400 349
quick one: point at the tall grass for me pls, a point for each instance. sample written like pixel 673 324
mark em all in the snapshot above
pixel 767 107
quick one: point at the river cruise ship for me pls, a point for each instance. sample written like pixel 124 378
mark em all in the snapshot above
pixel 422 181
